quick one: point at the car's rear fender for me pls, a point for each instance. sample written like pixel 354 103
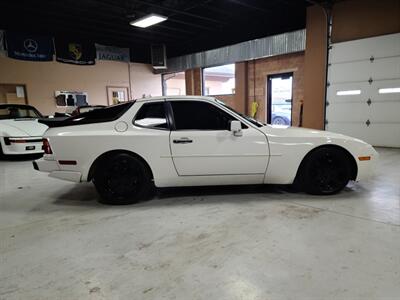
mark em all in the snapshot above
pixel 110 153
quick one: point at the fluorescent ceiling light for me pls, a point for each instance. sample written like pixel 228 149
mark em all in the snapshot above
pixel 148 20
pixel 349 92
pixel 389 90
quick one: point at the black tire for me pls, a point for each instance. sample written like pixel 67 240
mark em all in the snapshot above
pixel 2 156
pixel 326 171
pixel 122 179
pixel 279 121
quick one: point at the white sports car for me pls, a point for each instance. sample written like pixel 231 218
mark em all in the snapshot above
pixel 20 132
pixel 128 148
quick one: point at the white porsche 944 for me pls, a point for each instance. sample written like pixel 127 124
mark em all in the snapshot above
pixel 129 148
pixel 20 132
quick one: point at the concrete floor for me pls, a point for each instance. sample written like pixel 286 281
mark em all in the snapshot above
pixel 57 242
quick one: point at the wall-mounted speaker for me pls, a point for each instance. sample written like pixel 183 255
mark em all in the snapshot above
pixel 158 56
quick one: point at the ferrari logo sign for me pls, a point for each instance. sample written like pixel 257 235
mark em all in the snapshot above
pixel 75 50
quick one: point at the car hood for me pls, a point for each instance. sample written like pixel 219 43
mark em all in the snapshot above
pixel 297 132
pixel 22 128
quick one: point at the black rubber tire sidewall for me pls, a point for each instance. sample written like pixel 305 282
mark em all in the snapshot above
pixel 308 185
pixel 107 196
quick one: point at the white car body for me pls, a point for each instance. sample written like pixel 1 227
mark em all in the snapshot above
pixel 261 155
pixel 21 135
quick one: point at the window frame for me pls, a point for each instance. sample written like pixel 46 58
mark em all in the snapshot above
pixel 167 116
pixel 164 83
pixel 172 117
pixel 203 81
pixel 270 77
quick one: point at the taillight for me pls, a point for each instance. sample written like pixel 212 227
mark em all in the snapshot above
pixel 46 147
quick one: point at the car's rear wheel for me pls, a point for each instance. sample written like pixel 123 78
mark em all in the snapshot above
pixel 122 179
pixel 325 171
pixel 1 152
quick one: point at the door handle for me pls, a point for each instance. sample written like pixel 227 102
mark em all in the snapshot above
pixel 183 141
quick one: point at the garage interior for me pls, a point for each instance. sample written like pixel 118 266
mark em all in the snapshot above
pixel 341 62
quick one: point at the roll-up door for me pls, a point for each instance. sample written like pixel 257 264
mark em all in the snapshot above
pixel 363 92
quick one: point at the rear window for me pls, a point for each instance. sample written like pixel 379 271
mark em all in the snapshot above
pixel 100 115
pixel 106 113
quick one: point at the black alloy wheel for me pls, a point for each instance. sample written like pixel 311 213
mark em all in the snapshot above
pixel 122 179
pixel 326 171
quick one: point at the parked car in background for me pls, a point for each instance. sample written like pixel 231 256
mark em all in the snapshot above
pixel 20 131
pixel 125 149
pixel 281 117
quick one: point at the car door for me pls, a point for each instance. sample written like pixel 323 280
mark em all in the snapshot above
pixel 202 144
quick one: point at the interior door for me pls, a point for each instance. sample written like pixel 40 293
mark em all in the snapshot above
pixel 202 143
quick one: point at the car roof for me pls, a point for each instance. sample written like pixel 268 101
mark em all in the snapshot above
pixel 176 98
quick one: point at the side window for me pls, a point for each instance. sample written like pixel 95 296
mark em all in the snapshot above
pixel 152 115
pixel 199 115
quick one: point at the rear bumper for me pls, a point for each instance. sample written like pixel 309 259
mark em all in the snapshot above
pixel 30 145
pixel 52 167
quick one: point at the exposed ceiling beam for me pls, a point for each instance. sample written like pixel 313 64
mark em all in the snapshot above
pixel 95 24
pixel 179 12
pixel 247 5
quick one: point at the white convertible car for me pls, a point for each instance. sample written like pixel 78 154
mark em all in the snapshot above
pixel 20 132
pixel 129 148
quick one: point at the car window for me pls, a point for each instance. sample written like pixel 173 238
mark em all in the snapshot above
pixel 152 115
pixel 18 112
pixel 250 119
pixel 197 115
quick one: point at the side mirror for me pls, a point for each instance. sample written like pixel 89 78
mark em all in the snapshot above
pixel 236 128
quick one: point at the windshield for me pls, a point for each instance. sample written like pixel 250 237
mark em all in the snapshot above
pixel 250 119
pixel 18 112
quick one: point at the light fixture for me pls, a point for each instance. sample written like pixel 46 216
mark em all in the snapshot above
pixel 148 20
pixel 348 93
pixel 389 90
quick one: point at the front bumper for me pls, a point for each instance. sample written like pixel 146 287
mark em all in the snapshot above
pixel 23 145
pixel 52 167
pixel 366 169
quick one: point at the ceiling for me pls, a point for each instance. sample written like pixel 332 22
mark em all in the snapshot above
pixel 192 25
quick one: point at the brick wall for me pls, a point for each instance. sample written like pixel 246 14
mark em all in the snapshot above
pixel 246 82
pixel 193 81
pixel 257 84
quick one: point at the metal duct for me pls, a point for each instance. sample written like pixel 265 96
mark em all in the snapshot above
pixel 289 42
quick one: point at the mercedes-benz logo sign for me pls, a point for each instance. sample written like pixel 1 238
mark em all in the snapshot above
pixel 30 45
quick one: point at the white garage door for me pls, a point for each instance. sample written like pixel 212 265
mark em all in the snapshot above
pixel 363 93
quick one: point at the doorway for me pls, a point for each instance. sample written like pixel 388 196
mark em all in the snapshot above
pixel 117 94
pixel 13 93
pixel 279 99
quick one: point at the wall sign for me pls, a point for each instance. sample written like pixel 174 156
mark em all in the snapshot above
pixel 112 53
pixel 29 47
pixel 75 52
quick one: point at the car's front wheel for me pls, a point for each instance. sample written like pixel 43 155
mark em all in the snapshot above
pixel 279 121
pixel 325 171
pixel 122 179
